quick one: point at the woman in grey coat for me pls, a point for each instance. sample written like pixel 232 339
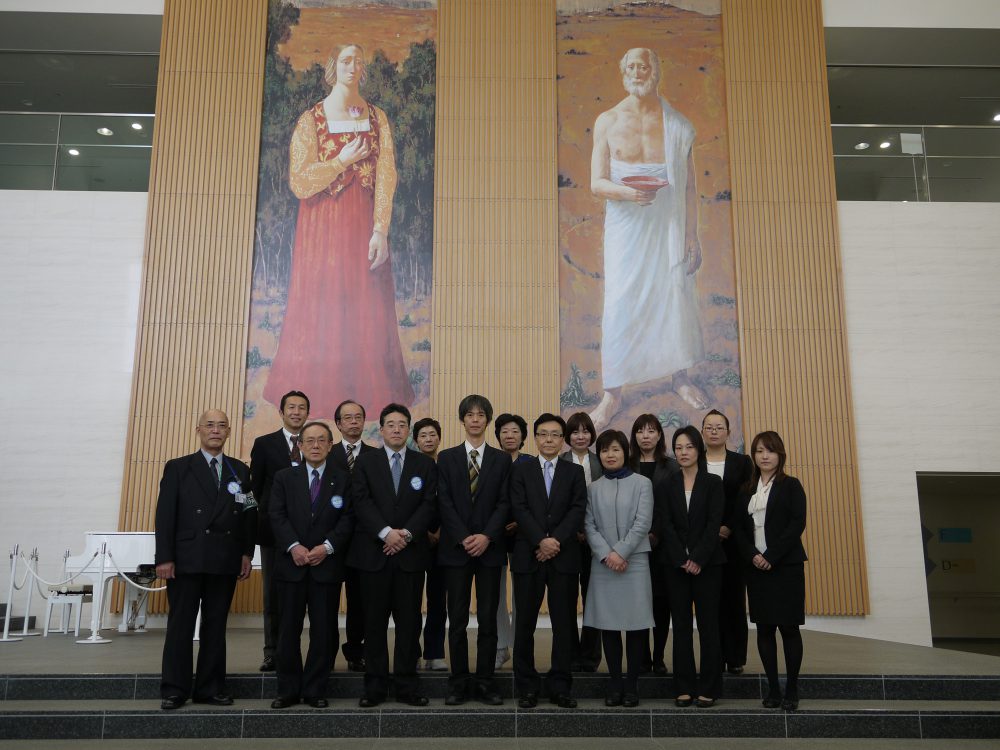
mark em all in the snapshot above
pixel 619 515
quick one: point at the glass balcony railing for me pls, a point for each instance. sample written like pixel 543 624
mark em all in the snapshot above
pixel 939 163
pixel 63 151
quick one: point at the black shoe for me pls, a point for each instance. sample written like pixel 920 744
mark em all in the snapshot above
pixel 735 670
pixel 413 700
pixel 455 698
pixel 771 701
pixel 488 695
pixel 563 700
pixel 790 703
pixel 630 700
pixel 528 700
pixel 359 665
pixel 284 701
pixel 683 701
pixel 587 666
pixel 369 701
pixel 704 702
pixel 268 664
pixel 216 700
pixel 171 703
pixel 660 668
pixel 318 702
pixel 613 699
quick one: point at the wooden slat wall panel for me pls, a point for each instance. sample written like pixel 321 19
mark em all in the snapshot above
pixel 790 294
pixel 191 348
pixel 496 280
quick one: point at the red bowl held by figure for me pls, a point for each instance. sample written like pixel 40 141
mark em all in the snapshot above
pixel 642 182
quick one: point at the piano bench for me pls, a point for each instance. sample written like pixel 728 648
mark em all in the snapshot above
pixel 64 600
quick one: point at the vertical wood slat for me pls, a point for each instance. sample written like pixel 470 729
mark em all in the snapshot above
pixel 496 280
pixel 793 344
pixel 192 333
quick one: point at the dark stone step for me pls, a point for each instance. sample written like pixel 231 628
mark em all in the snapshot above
pixel 347 685
pixel 735 718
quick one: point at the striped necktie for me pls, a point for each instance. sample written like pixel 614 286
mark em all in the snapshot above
pixel 473 473
pixel 350 457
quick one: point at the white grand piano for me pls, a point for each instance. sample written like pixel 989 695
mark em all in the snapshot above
pixel 131 552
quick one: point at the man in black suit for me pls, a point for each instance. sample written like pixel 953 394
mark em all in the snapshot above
pixel 206 522
pixel 312 521
pixel 548 498
pixel 270 454
pixel 474 510
pixel 349 416
pixel 393 491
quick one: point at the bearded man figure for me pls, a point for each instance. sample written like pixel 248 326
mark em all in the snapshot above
pixel 650 327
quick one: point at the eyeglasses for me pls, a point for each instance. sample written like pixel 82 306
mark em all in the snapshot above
pixel 544 435
pixel 714 428
pixel 315 441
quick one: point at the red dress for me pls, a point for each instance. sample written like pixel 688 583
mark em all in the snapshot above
pixel 340 338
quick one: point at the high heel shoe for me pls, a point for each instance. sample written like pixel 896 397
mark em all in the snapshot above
pixel 771 701
pixel 790 703
pixel 683 701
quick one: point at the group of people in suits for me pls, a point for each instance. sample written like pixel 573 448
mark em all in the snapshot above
pixel 645 538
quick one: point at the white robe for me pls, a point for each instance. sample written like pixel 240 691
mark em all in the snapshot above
pixel 650 327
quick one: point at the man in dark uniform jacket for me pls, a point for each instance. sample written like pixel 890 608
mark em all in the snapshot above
pixel 270 454
pixel 393 492
pixel 548 498
pixel 474 511
pixel 312 520
pixel 206 522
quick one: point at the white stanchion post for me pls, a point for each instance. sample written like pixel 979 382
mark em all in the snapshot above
pixel 29 579
pixel 97 605
pixel 10 597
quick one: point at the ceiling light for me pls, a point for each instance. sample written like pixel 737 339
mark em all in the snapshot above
pixel 996 117
pixel 105 131
pixel 73 152
pixel 884 144
pixel 861 146
pixel 136 126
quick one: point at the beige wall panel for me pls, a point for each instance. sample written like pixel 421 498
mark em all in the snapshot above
pixel 191 348
pixel 790 301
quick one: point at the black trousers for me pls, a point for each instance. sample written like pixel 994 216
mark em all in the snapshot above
pixel 588 652
pixel 636 643
pixel 661 615
pixel 529 590
pixel 397 593
pixel 437 613
pixel 459 581
pixel 354 630
pixel 271 616
pixel 702 591
pixel 733 629
pixel 185 593
pixel 322 600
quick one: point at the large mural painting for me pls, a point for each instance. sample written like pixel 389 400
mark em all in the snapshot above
pixel 341 298
pixel 647 286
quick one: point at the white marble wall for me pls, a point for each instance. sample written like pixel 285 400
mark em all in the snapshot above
pixel 920 283
pixel 70 273
pixel 955 14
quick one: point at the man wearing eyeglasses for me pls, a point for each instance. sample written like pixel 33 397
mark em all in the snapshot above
pixel 313 521
pixel 548 499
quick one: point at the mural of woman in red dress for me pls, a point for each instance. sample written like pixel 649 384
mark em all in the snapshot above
pixel 340 337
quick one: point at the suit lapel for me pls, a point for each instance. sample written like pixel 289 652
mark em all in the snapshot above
pixel 203 473
pixel 409 471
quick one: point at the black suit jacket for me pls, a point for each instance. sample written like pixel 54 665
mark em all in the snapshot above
pixel 559 515
pixel 376 505
pixel 691 532
pixel 293 520
pixel 270 454
pixel 596 470
pixel 339 456
pixel 201 528
pixel 784 522
pixel 462 514
pixel 736 475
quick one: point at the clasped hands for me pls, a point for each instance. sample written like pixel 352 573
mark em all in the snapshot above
pixel 547 549
pixel 691 567
pixel 302 556
pixel 475 544
pixel 394 542
pixel 760 562
pixel 616 562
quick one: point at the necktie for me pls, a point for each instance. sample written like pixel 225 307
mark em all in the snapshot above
pixel 314 489
pixel 397 470
pixel 296 454
pixel 473 473
pixel 214 466
pixel 548 477
pixel 350 457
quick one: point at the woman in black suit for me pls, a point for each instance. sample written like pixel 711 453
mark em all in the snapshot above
pixel 734 470
pixel 770 539
pixel 691 517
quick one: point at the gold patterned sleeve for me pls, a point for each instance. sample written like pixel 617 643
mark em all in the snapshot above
pixel 385 183
pixel 307 175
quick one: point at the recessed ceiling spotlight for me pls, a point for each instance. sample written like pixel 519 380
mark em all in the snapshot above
pixel 73 152
pixel 884 144
pixel 996 117
pixel 105 131
pixel 861 146
pixel 136 126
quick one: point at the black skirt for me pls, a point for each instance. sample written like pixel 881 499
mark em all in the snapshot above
pixel 777 596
